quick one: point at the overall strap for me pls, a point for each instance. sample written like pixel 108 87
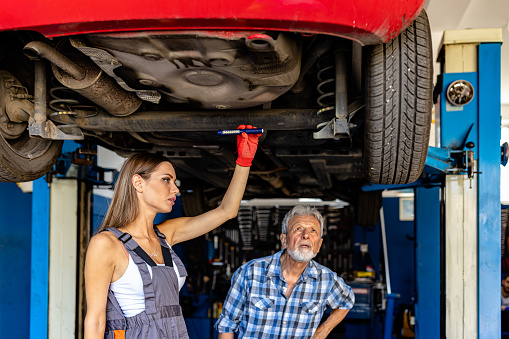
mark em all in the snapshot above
pixel 178 263
pixel 114 301
pixel 173 257
pixel 132 245
pixel 164 248
pixel 134 248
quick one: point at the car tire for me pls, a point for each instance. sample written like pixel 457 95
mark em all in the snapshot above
pixel 399 91
pixel 22 158
pixel 27 159
pixel 367 208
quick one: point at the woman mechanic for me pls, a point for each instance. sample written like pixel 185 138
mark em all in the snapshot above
pixel 132 275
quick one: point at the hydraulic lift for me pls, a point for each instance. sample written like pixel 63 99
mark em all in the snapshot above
pixel 457 200
pixel 457 209
pixel 468 121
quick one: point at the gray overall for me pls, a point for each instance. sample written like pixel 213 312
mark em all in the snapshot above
pixel 162 318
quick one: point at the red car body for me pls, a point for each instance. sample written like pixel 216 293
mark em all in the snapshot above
pixel 365 21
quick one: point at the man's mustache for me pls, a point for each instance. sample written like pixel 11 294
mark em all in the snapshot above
pixel 304 242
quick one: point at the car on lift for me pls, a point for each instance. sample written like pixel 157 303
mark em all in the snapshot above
pixel 342 89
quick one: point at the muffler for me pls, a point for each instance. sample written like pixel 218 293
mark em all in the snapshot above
pixel 84 77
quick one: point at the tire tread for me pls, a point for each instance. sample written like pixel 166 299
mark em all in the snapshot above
pixel 398 106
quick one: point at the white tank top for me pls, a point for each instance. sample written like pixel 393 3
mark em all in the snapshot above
pixel 128 289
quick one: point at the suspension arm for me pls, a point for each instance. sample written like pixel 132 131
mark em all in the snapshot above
pixel 211 120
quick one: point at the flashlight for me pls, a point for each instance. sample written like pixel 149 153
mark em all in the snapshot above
pixel 239 131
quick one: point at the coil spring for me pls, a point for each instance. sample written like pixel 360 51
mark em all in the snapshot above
pixel 326 88
pixel 63 103
pixel 62 113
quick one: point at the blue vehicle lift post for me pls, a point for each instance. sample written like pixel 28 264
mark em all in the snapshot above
pixel 468 120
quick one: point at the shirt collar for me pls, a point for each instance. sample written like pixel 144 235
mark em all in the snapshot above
pixel 274 268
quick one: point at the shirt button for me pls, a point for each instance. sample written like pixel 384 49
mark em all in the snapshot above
pixel 284 322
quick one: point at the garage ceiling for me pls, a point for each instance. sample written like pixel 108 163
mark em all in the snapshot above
pixel 464 14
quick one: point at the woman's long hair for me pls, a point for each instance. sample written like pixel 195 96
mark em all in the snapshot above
pixel 124 205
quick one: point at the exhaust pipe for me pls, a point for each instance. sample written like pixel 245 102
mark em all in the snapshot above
pixel 84 77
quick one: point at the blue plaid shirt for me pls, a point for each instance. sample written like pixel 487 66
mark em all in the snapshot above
pixel 256 305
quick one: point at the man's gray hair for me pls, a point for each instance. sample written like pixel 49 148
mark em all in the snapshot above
pixel 302 210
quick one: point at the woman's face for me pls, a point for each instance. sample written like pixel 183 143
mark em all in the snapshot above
pixel 159 192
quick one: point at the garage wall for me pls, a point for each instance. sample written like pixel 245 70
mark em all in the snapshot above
pixel 15 240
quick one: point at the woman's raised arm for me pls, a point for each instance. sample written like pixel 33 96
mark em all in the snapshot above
pixel 186 228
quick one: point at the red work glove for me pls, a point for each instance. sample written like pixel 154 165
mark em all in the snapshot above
pixel 246 146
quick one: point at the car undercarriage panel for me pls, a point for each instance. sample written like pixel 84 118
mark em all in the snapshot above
pixel 201 69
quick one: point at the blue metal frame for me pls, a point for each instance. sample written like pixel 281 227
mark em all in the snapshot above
pixel 445 160
pixel 432 180
pixel 39 279
pixel 438 161
pixel 71 165
pixel 427 258
pixel 15 259
pixel 489 191
pixel 479 122
pixel 456 121
pixel 389 314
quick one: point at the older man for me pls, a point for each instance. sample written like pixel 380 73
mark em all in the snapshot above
pixel 286 294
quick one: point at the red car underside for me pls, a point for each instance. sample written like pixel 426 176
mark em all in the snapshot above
pixel 365 21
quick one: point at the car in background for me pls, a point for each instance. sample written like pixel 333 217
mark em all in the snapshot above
pixel 342 89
